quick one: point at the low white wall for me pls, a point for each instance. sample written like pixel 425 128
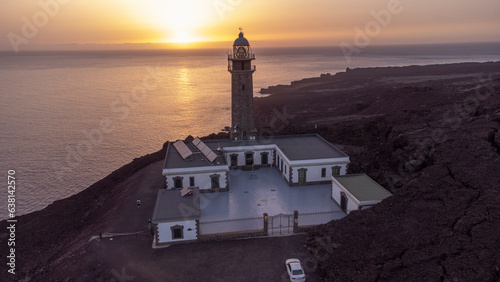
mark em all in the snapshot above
pixel 165 231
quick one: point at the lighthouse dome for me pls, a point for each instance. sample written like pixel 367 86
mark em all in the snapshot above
pixel 241 41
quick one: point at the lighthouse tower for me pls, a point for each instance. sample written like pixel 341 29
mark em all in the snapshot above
pixel 241 69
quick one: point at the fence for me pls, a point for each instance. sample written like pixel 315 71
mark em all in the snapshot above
pixel 231 225
pixel 280 224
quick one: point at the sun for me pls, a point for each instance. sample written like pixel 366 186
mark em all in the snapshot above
pixel 183 36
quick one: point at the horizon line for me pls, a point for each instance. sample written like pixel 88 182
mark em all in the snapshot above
pixel 189 46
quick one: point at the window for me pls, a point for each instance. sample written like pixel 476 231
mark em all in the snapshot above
pixel 177 231
pixel 335 170
pixel 177 182
pixel 215 181
pixel 234 160
pixel 191 181
pixel 264 158
pixel 249 158
pixel 297 272
pixel 323 172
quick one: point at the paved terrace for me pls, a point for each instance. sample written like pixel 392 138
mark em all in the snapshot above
pixel 266 192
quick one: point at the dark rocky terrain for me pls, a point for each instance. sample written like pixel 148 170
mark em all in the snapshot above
pixel 428 134
pixel 54 239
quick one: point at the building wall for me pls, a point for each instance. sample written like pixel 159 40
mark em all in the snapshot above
pixel 290 169
pixel 336 192
pixel 283 165
pixel 290 173
pixel 257 157
pixel 164 231
pixel 201 180
pixel 313 173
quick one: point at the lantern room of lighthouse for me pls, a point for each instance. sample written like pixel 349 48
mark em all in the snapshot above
pixel 241 69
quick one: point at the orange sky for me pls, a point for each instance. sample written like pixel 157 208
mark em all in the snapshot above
pixel 27 25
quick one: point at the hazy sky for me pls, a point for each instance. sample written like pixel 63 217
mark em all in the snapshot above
pixel 27 25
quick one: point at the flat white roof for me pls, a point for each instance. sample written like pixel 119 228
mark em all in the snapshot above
pixel 295 147
pixel 173 158
pixel 171 206
pixel 362 187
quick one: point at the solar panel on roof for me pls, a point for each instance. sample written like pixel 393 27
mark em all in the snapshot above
pixel 206 151
pixel 196 141
pixel 209 154
pixel 201 145
pixel 183 150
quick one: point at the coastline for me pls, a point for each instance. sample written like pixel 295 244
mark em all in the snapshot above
pixel 363 111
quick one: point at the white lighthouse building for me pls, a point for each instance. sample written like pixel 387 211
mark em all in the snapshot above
pixel 246 176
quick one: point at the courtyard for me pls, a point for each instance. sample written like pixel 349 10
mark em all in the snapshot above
pixel 253 193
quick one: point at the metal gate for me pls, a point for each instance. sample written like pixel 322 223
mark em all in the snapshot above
pixel 281 224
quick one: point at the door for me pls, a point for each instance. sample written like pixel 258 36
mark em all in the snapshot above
pixel 343 202
pixel 264 159
pixel 215 181
pixel 249 158
pixel 302 176
pixel 234 160
pixel 178 182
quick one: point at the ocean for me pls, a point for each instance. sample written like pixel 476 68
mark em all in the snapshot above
pixel 69 118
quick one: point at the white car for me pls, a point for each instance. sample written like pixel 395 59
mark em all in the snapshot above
pixel 295 271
